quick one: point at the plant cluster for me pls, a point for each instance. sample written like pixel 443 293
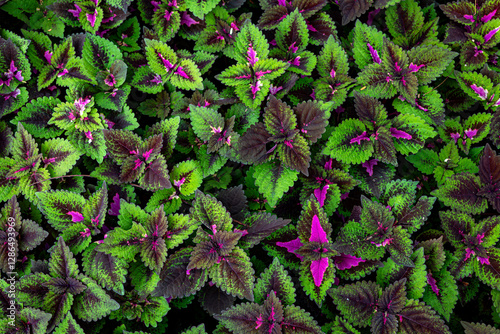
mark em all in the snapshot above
pixel 302 166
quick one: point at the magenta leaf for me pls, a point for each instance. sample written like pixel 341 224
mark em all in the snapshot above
pixel 346 261
pixel 489 16
pixel 480 91
pixel 399 134
pixel 292 246
pixel 114 208
pixel 359 138
pixel 318 234
pixel 432 282
pixel 75 216
pixel 490 34
pixel 374 54
pixel 187 20
pixel 92 18
pixel 318 268
pixel 369 165
pixel 320 195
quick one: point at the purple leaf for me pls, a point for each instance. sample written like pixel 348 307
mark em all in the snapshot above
pixel 369 166
pixel 320 194
pixel 415 68
pixel 470 133
pixel 399 134
pixel 187 20
pixel 374 54
pixel 292 246
pixel 432 282
pixel 490 34
pixel 469 17
pixel 359 138
pixel 318 268
pixel 114 208
pixel 489 16
pixel 346 261
pixel 76 12
pixel 75 216
pixel 318 234
pixel 91 18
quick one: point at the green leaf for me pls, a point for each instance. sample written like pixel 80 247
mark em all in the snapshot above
pixel 339 144
pixel 489 272
pixel 297 318
pixel 201 8
pixel 424 160
pixel 68 325
pixel 187 177
pixel 56 204
pixel 275 278
pixel 374 78
pixel 205 121
pixel 460 192
pixel 180 227
pixel 60 155
pixel 210 212
pixel 187 76
pixel 107 270
pixel 273 180
pixel 124 244
pixel 250 35
pixel 62 263
pixel 357 301
pixel 416 128
pixel 292 30
pixel 93 303
pixel 443 302
pixel 482 84
pixel 435 58
pixel 404 17
pixel 35 115
pixel 364 35
pixel 166 197
pixel 234 274
pixel 332 58
pixel 76 237
pixel 316 293
pixel 477 328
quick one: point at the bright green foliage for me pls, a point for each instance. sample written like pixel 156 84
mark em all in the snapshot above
pixel 60 155
pixel 210 212
pixel 234 274
pixel 196 330
pixel 171 202
pixel 460 192
pixel 180 227
pixel 416 278
pixel 364 34
pixel 107 270
pixel 200 8
pixel 273 180
pixel 68 325
pixel 339 147
pixel 124 243
pixel 275 278
pixel 187 177
pixel 39 108
pixel 443 302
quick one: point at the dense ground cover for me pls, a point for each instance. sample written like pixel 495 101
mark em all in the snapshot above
pixel 300 166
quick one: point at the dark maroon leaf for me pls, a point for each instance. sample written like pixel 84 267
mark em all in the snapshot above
pixel 234 200
pixel 272 17
pixel 351 9
pixel 252 145
pixel 132 168
pixel 308 7
pixel 477 328
pixel 471 56
pixel 121 143
pixel 384 323
pixel 175 280
pixel 260 225
pixel 311 120
pixel 214 300
pixel 295 154
pixel 422 319
pixel 156 175
pixel 393 298
pixel 489 166
pixel 279 119
pixel 384 147
pixel 455 33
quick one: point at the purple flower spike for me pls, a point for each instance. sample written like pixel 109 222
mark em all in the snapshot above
pixel 252 55
pixel 483 93
pixel 292 246
pixel 181 72
pixel 399 134
pixel 48 56
pixel 75 216
pixel 489 16
pixel 76 12
pixel 91 18
pixel 359 138
pixel 415 68
pixel 432 282
pixel 491 34
pixel 469 17
pixel 374 54
pixel 187 20
pixel 147 154
pixel 470 133
pixel 369 166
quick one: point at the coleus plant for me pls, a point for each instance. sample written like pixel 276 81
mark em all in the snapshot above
pixel 474 26
pixel 57 286
pixel 29 169
pixel 469 193
pixel 375 135
pixel 134 159
pixel 443 165
pixel 251 76
pixel 388 311
pixel 28 235
pixel 218 254
pixel 273 310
